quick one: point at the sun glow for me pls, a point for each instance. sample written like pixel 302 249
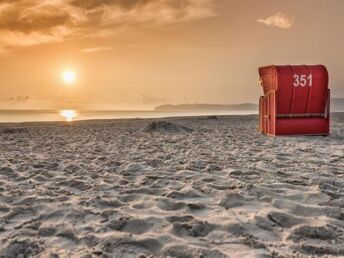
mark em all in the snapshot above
pixel 68 76
pixel 68 114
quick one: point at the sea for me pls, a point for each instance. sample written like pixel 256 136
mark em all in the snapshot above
pixel 15 116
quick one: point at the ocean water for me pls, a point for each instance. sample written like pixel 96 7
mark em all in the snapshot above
pixel 10 116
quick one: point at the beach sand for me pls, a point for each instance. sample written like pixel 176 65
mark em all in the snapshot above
pixel 185 187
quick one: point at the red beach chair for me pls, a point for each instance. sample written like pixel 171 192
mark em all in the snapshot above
pixel 296 100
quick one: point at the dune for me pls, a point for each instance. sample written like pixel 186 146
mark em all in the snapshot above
pixel 177 187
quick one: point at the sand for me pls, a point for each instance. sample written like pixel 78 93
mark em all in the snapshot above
pixel 185 187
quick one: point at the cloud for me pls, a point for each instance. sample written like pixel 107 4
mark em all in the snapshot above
pixel 155 12
pixel 95 49
pixel 280 20
pixel 48 102
pixel 18 98
pixel 123 4
pixel 32 22
pixel 35 22
pixel 11 38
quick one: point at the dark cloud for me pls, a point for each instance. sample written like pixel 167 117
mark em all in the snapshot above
pixel 123 4
pixel 38 23
pixel 27 16
pixel 34 22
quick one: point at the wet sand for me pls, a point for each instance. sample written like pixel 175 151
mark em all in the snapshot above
pixel 185 187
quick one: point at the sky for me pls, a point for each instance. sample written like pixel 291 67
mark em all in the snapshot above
pixel 137 54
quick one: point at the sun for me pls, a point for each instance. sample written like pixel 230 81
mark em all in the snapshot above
pixel 68 76
pixel 68 114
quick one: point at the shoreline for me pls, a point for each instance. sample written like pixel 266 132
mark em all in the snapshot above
pixel 120 119
pixel 111 120
pixel 132 119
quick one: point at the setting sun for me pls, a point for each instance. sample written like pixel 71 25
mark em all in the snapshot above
pixel 68 76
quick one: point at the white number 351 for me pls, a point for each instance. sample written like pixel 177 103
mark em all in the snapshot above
pixel 302 80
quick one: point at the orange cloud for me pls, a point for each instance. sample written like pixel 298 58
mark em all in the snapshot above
pixel 95 49
pixel 280 20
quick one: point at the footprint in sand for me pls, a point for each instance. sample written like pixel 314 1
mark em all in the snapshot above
pixel 193 228
pixel 129 247
pixel 132 225
pixel 191 252
pixel 20 248
pixel 308 211
pixel 169 205
pixel 76 184
pixel 232 200
pixel 185 193
pixel 137 226
pixel 321 233
pixel 185 218
pixel 283 219
pixel 127 198
pixel 143 205
pixel 47 231
pixel 108 202
pixel 68 234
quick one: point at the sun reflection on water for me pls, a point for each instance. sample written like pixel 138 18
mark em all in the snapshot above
pixel 68 114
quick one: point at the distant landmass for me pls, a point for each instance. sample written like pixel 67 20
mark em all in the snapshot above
pixel 337 105
pixel 207 107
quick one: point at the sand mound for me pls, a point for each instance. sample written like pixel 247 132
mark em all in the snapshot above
pixel 166 127
pixel 8 130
